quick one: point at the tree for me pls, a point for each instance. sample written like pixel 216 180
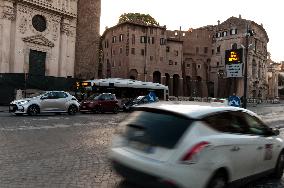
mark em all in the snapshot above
pixel 138 18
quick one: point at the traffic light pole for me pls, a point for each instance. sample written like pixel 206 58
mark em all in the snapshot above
pixel 246 70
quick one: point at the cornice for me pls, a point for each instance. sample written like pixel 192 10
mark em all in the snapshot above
pixel 47 5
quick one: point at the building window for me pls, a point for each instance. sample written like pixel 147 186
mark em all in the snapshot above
pixel 143 39
pixel 212 51
pixel 153 40
pixel 133 51
pixel 113 63
pixel 113 52
pixel 162 41
pixel 120 50
pixel 120 37
pixel 218 49
pixel 144 30
pixel 233 31
pixel 170 62
pixel 224 34
pixel 205 50
pixel 176 52
pixel 142 52
pixel 113 39
pixel 218 35
pixel 149 40
pixel 199 66
pixel 151 30
pixel 188 65
pixel 39 23
pixel 151 58
pixel 167 49
pixel 255 45
pixel 217 64
pixel 176 63
pixel 133 39
pixel 197 50
pixel 106 44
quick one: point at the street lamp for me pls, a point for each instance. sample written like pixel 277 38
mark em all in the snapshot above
pixel 248 33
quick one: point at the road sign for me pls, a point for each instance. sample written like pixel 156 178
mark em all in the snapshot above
pixel 234 101
pixel 234 63
pixel 151 96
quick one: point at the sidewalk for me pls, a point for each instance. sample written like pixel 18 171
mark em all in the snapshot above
pixel 4 108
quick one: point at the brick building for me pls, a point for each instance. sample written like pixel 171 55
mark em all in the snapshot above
pixel 142 52
pixel 200 70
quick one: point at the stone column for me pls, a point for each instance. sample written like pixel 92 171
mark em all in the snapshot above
pixel 171 85
pixel 64 31
pixel 163 80
pixel 180 92
pixel 8 16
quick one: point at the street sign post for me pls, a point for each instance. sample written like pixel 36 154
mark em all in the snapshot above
pixel 234 63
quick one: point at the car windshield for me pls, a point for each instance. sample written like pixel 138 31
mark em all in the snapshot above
pixel 39 94
pixel 93 96
pixel 138 98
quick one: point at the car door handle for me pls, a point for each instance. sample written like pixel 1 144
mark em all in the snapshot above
pixel 235 148
pixel 260 147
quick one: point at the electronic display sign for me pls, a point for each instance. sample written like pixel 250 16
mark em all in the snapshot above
pixel 234 56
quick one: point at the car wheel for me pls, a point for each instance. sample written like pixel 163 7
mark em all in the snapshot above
pixel 115 110
pixel 278 171
pixel 218 181
pixel 33 110
pixel 72 110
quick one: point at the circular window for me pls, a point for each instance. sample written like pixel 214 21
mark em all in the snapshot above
pixel 39 23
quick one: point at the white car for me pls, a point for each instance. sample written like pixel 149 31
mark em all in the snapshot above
pixel 50 101
pixel 195 146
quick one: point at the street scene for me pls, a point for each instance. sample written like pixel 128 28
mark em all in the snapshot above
pixel 133 94
pixel 72 151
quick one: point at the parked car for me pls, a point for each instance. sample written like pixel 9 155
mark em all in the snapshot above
pixel 105 102
pixel 50 101
pixel 195 146
pixel 135 102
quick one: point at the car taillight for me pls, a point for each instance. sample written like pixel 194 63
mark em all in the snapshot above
pixel 191 156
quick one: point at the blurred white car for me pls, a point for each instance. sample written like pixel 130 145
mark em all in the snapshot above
pixel 50 101
pixel 195 146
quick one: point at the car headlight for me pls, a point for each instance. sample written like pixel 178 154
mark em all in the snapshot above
pixel 23 102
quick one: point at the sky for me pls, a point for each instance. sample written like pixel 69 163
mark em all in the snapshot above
pixel 193 14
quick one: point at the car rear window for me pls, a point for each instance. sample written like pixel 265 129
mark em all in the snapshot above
pixel 156 129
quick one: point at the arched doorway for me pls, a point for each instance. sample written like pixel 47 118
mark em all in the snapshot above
pixel 157 77
pixel 100 71
pixel 188 86
pixel 133 74
pixel 176 85
pixel 108 73
pixel 199 87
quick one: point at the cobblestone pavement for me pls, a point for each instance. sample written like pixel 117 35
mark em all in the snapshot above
pixel 64 151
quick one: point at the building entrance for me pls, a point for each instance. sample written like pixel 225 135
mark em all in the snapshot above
pixel 37 63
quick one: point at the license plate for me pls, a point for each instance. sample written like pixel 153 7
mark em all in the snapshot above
pixel 141 146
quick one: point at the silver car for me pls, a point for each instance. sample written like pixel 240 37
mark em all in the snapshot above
pixel 50 101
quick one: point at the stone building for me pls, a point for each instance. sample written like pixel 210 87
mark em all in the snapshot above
pixel 88 39
pixel 142 52
pixel 200 69
pixel 231 34
pixel 38 37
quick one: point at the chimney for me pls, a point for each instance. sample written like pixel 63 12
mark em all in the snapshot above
pixel 240 16
pixel 218 22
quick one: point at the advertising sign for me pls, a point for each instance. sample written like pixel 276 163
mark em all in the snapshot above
pixel 234 63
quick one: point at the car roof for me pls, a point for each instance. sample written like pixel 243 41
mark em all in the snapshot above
pixel 193 109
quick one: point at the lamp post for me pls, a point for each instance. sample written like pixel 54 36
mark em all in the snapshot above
pixel 248 33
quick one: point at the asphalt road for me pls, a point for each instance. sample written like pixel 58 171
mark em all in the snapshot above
pixel 67 151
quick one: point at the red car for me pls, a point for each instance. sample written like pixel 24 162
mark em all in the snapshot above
pixel 105 102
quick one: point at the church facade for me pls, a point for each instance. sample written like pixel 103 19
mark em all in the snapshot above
pixel 38 37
